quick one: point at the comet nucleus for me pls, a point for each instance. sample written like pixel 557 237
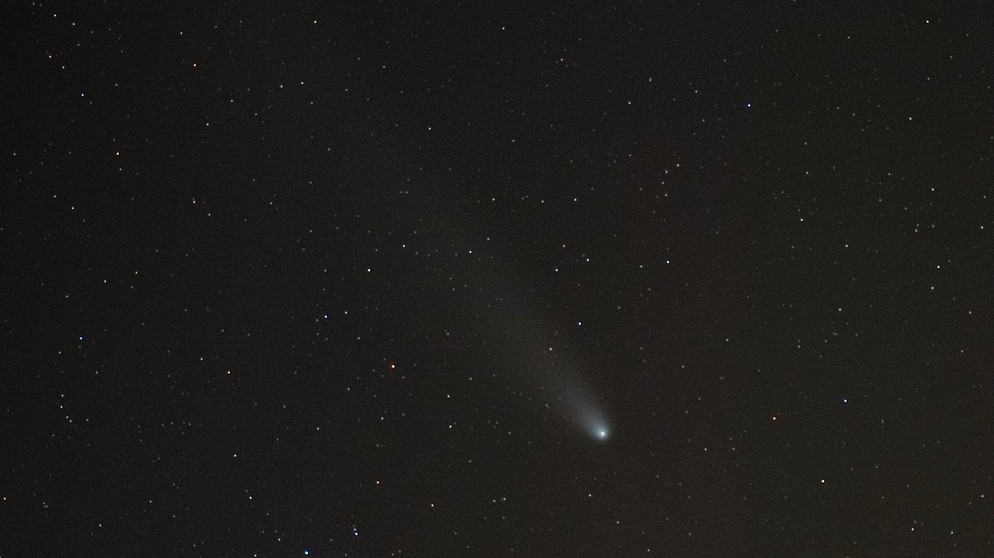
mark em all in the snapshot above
pixel 596 425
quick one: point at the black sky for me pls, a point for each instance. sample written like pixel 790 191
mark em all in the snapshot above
pixel 346 279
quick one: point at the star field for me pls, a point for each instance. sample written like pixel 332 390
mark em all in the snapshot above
pixel 379 279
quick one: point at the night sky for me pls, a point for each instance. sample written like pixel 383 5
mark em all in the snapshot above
pixel 329 279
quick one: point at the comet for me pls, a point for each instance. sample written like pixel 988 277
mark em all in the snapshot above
pixel 597 427
pixel 584 412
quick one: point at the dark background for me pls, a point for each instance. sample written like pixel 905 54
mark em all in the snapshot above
pixel 318 278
